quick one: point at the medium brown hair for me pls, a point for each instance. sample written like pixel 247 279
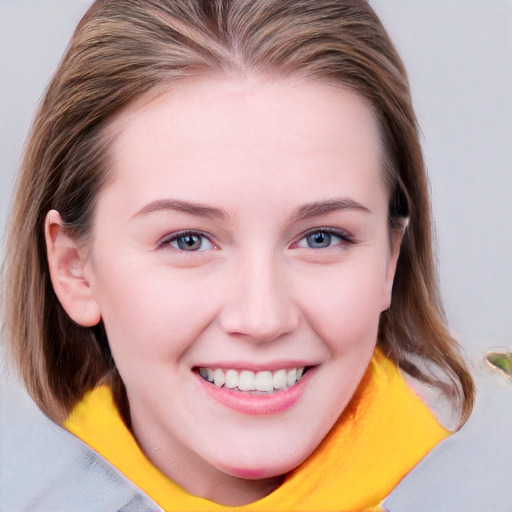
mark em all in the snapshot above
pixel 123 49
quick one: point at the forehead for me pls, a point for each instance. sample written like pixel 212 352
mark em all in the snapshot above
pixel 206 131
pixel 267 97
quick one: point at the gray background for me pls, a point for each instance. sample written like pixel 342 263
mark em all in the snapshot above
pixel 459 57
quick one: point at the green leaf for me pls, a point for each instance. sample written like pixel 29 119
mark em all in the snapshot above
pixel 501 360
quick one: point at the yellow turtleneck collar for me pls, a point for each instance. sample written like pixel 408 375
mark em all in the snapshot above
pixel 384 432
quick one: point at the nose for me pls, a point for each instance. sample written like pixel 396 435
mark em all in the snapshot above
pixel 259 304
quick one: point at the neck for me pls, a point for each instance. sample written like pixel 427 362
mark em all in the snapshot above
pixel 232 491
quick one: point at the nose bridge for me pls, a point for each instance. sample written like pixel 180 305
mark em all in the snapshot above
pixel 259 303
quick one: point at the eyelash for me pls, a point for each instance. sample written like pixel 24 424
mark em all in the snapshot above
pixel 167 241
pixel 344 237
pixel 175 237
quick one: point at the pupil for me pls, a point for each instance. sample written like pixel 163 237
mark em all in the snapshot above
pixel 189 242
pixel 319 240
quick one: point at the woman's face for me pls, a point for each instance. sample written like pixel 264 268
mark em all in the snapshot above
pixel 243 239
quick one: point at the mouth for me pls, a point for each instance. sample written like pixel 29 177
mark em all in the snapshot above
pixel 265 382
pixel 255 392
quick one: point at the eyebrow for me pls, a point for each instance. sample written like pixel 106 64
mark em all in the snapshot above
pixel 198 210
pixel 318 208
pixel 303 212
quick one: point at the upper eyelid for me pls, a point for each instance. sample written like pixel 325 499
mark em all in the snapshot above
pixel 331 231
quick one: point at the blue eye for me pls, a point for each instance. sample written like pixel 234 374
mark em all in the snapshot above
pixel 319 240
pixel 190 242
pixel 322 239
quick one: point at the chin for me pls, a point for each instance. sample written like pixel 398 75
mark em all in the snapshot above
pixel 266 463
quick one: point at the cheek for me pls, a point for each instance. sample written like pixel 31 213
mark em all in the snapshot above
pixel 345 309
pixel 152 314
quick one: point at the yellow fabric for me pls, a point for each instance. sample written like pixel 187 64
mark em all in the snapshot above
pixel 379 438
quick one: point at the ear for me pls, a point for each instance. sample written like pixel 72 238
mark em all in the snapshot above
pixel 66 262
pixel 397 235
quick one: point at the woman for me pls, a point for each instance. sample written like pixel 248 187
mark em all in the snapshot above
pixel 231 213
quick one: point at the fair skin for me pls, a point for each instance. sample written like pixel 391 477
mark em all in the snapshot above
pixel 245 229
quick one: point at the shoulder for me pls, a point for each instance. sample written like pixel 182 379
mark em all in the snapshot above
pixel 472 469
pixel 44 467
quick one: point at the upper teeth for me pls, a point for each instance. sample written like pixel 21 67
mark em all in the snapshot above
pixel 246 380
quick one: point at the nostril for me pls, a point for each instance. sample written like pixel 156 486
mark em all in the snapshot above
pixel 259 326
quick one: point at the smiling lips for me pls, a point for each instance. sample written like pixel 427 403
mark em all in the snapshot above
pixel 247 380
pixel 255 393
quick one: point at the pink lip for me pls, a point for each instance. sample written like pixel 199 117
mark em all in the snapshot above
pixel 252 403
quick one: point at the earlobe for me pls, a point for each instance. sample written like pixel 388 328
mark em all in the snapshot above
pixel 66 263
